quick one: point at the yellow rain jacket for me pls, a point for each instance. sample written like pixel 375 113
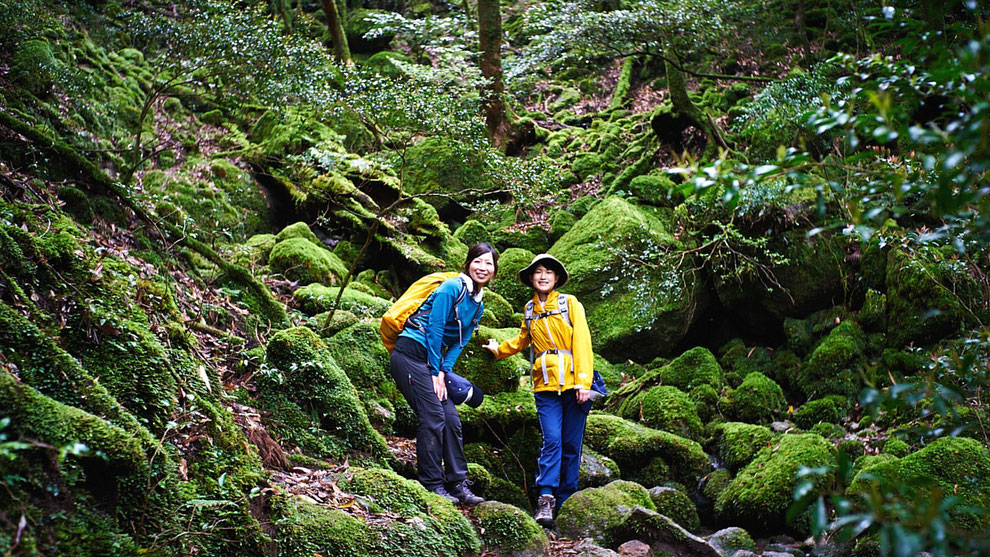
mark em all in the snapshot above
pixel 557 346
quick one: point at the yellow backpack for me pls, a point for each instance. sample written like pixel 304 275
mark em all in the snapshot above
pixel 406 306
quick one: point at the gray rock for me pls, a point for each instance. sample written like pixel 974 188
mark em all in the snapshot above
pixel 634 548
pixel 730 540
pixel 588 548
pixel 663 534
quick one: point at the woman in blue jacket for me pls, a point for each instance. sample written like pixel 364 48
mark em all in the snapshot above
pixel 425 351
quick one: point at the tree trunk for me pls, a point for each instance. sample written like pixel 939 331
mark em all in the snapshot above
pixel 335 25
pixel 685 113
pixel 801 30
pixel 490 42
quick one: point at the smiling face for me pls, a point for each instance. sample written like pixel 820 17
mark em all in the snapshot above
pixel 481 269
pixel 544 279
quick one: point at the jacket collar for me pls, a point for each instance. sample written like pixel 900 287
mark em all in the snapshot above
pixel 469 282
pixel 551 297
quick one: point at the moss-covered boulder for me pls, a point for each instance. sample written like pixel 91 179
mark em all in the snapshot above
pixel 34 66
pixel 928 297
pixel 597 511
pixel 473 232
pixel 655 190
pixel 835 364
pixel 312 401
pixel 435 528
pixel 311 529
pixel 316 298
pixel 360 352
pixel 439 164
pixel 507 283
pixel 255 250
pixel 757 400
pixel 596 470
pixel 633 446
pixel 739 442
pixel 297 230
pixel 358 23
pixel 509 530
pixel 759 496
pixel 635 311
pixel 691 370
pixel 506 411
pixel 303 261
pixel 948 467
pixel 477 364
pixel 732 539
pixel 665 408
pixel 828 409
pixel 383 63
pixel 677 506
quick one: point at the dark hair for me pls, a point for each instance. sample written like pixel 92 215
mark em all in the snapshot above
pixel 557 268
pixel 477 251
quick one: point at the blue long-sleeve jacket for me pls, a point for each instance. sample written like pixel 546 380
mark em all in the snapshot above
pixel 436 327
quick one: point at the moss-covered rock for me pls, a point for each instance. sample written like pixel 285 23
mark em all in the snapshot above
pixel 732 539
pixel 298 230
pixel 597 511
pixel 532 238
pixel 665 408
pixel 834 366
pixel 896 447
pixel 312 401
pixel 739 442
pixel 473 232
pixel 76 204
pixel 677 506
pixel 507 283
pixel 713 485
pixel 799 335
pixel 560 222
pixel 382 63
pixel 634 311
pixel 315 529
pixel 506 411
pixel 759 496
pixel 316 298
pixel 657 190
pixel 829 409
pixel 927 298
pixel 509 530
pixel 255 250
pixel 949 466
pixel 757 400
pixel 596 470
pixel 873 314
pixel 34 66
pixel 631 445
pixel 300 260
pixel 477 364
pixel 358 23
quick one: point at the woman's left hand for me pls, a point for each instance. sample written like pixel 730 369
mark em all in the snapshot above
pixel 582 395
pixel 440 386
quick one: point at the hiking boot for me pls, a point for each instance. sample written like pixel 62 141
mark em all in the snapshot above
pixel 544 511
pixel 463 494
pixel 442 492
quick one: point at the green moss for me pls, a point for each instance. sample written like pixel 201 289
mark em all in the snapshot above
pixel 630 445
pixel 34 66
pixel 506 411
pixel 507 284
pixel 492 376
pixel 586 165
pixel 657 190
pixel 732 539
pixel 310 529
pixel 301 260
pixel 665 408
pixel 715 483
pixel 76 204
pixel 567 98
pixel 829 409
pixel 873 314
pixel 757 400
pixel 509 530
pixel 596 470
pixel 852 448
pixel 828 430
pixel 598 511
pixel 316 298
pixel 298 230
pixel 926 301
pixel 949 466
pixel 498 312
pixel 759 496
pixel 799 335
pixel 739 442
pixel 896 447
pixel 304 381
pixel 705 400
pixel 834 365
pixel 677 506
pixel 625 323
pixel 533 239
pixel 560 222
pixel 473 232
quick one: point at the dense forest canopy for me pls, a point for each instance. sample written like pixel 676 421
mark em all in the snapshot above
pixel 775 214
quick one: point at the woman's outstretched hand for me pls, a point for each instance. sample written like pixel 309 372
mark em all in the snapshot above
pixel 492 346
pixel 440 386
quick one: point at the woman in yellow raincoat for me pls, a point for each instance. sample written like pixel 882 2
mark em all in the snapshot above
pixel 557 333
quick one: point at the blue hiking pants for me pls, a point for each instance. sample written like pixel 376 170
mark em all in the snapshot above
pixel 562 422
pixel 439 445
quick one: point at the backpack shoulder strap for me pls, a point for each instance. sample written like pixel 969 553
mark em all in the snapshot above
pixel 562 301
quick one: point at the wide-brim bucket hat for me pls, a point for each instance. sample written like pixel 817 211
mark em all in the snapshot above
pixel 548 261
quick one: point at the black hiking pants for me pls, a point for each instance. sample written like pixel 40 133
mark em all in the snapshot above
pixel 439 443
